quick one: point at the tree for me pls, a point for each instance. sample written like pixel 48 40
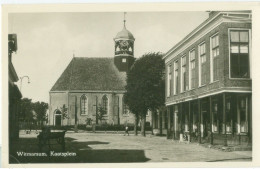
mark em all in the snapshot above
pixel 40 109
pixel 101 113
pixel 26 109
pixel 145 86
pixel 64 112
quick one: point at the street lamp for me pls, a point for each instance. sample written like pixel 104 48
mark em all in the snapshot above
pixel 21 78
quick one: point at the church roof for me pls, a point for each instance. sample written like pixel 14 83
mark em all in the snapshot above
pixel 91 74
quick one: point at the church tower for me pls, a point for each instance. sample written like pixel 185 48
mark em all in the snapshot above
pixel 124 49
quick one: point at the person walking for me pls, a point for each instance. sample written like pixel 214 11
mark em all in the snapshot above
pixel 126 130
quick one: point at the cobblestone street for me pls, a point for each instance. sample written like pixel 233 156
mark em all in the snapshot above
pixel 110 147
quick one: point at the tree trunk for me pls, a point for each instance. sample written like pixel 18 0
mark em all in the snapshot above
pixel 136 124
pixel 143 118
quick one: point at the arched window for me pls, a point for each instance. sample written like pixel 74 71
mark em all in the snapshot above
pixel 125 107
pixel 83 105
pixel 105 103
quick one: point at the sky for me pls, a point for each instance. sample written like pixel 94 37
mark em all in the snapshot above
pixel 47 41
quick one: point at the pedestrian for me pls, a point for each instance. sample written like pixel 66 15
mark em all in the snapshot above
pixel 126 130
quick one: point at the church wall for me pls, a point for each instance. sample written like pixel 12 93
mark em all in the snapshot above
pixel 57 100
pixel 115 104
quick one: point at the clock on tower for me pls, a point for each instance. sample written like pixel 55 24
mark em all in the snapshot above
pixel 124 49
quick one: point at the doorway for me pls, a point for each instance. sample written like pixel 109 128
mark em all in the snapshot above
pixel 58 118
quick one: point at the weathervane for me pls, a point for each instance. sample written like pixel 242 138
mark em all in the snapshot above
pixel 124 18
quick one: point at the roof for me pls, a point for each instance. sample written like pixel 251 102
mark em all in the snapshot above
pixel 98 74
pixel 125 34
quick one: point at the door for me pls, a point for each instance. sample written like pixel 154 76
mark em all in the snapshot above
pixel 58 118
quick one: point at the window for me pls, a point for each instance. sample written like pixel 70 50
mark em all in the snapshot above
pixel 192 69
pixel 239 53
pixel 105 103
pixel 176 77
pixel 229 122
pixel 184 74
pixel 195 118
pixel 124 60
pixel 214 57
pixel 169 92
pixel 203 70
pixel 125 107
pixel 242 115
pixel 215 116
pixel 83 105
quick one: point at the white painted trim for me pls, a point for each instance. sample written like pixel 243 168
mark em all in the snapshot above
pixel 206 94
pixel 199 61
pixel 249 53
pixel 88 91
pixel 168 80
pixel 189 36
pixel 181 78
pixel 172 53
pixel 211 56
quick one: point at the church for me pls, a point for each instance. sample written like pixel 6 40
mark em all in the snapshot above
pixel 91 82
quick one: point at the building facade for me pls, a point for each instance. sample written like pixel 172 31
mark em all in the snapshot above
pixel 13 91
pixel 208 82
pixel 89 83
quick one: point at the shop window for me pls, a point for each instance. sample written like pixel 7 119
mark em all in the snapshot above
pixel 243 114
pixel 195 119
pixel 215 119
pixel 239 53
pixel 229 122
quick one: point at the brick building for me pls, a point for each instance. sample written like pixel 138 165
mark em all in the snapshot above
pixel 90 82
pixel 208 82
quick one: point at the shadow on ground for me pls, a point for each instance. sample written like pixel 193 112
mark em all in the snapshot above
pixel 84 153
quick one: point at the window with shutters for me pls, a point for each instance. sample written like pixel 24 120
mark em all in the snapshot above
pixel 239 53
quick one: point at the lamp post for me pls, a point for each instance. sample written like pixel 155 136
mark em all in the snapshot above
pixel 21 78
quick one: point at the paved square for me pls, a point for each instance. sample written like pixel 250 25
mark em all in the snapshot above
pixel 111 147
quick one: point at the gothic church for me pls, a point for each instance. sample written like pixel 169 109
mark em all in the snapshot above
pixel 88 83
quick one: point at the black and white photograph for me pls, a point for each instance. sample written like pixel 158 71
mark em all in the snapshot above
pixel 129 86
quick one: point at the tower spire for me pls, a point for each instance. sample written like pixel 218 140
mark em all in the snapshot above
pixel 124 18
